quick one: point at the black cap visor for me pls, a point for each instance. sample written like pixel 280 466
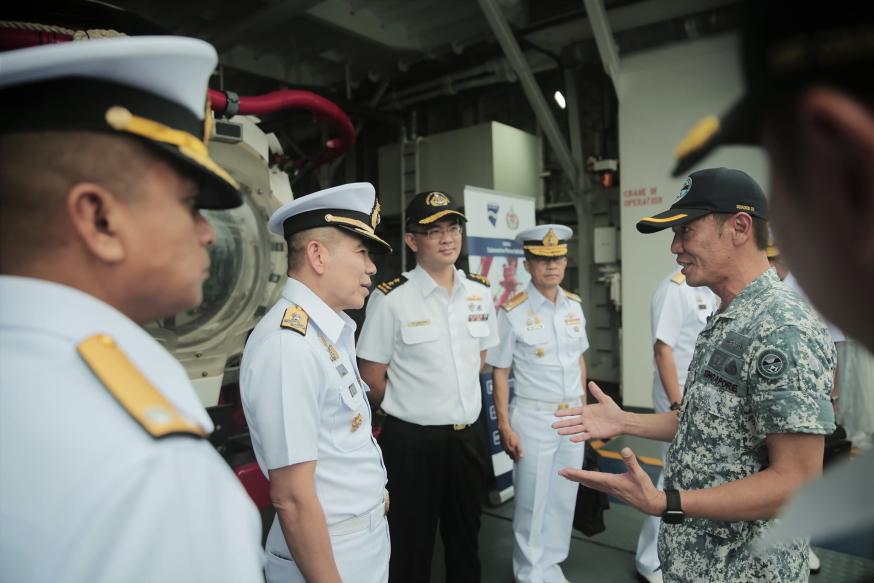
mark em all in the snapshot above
pixel 440 215
pixel 738 126
pixel 216 193
pixel 670 218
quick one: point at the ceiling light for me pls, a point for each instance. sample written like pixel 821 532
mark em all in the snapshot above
pixel 559 99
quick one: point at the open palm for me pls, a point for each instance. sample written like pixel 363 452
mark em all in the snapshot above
pixel 601 420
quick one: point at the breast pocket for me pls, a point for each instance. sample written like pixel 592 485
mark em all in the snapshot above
pixel 420 334
pixel 478 329
pixel 350 428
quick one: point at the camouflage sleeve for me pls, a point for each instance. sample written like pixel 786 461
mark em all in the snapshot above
pixel 790 382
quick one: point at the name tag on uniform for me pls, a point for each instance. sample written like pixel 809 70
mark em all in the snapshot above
pixel 534 327
pixel 418 323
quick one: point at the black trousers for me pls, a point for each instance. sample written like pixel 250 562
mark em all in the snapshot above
pixel 434 474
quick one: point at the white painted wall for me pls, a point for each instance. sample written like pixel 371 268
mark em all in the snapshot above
pixel 662 93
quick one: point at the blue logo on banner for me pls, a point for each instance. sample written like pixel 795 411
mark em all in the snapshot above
pixel 493 214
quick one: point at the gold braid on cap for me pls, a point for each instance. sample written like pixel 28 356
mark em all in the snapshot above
pixel 550 247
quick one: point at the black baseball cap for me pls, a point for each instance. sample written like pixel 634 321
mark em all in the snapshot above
pixel 427 207
pixel 714 190
pixel 784 50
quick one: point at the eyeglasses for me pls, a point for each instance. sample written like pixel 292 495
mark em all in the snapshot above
pixel 435 234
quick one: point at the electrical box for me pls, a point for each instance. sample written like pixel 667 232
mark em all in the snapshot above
pixel 605 245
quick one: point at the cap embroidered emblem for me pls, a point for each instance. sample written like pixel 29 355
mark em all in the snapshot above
pixel 436 199
pixel 550 240
pixel 687 186
pixel 374 216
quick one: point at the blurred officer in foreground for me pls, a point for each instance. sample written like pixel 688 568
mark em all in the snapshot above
pixel 306 405
pixel 677 315
pixel 422 348
pixel 810 102
pixel 542 331
pixel 105 474
pixel 751 427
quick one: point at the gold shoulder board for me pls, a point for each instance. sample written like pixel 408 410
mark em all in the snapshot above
pixel 515 301
pixel 678 278
pixel 391 285
pixel 478 279
pixel 133 392
pixel 574 297
pixel 296 319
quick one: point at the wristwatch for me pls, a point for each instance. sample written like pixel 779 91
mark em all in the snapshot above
pixel 675 406
pixel 674 513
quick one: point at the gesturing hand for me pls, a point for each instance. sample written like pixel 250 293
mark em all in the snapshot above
pixel 634 487
pixel 600 421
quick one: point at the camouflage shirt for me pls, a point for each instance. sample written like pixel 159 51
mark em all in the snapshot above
pixel 766 365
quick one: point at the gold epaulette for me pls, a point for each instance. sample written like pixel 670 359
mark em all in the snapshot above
pixel 574 297
pixel 679 278
pixel 136 394
pixel 479 279
pixel 391 285
pixel 515 301
pixel 295 319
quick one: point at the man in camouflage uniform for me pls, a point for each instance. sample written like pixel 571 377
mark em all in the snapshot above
pixel 756 406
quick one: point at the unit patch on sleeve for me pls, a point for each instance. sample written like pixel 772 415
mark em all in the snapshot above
pixel 515 301
pixel 771 363
pixel 392 285
pixel 296 319
pixel 479 279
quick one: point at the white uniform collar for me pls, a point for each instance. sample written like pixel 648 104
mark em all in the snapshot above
pixel 331 323
pixel 536 299
pixel 69 313
pixel 427 283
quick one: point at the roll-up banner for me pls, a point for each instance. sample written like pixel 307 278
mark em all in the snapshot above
pixel 493 220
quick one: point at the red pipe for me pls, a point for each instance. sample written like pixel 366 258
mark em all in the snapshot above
pixel 14 38
pixel 321 108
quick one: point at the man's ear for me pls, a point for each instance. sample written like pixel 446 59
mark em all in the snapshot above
pixel 410 240
pixel 98 217
pixel 317 255
pixel 741 228
pixel 525 265
pixel 846 127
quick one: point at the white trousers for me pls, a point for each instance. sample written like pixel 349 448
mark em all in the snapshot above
pixel 647 555
pixel 361 557
pixel 544 501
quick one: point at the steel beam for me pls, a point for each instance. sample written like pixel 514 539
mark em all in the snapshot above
pixel 603 38
pixel 505 37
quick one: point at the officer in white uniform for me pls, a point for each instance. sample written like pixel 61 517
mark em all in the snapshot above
pixel 422 347
pixel 305 402
pixel 105 474
pixel 678 314
pixel 542 331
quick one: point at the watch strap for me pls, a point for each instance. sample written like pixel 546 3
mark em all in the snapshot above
pixel 673 499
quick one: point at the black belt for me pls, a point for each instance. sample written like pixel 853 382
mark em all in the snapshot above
pixel 456 427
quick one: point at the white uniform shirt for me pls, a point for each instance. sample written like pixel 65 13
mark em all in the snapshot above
pixel 678 314
pixel 431 342
pixel 836 333
pixel 301 406
pixel 86 494
pixel 545 340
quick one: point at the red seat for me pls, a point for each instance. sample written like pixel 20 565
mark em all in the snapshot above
pixel 255 483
